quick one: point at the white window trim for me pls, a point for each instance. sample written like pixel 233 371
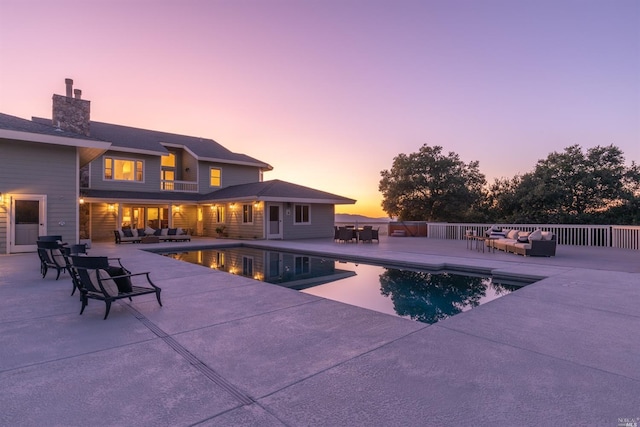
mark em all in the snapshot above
pixel 294 214
pixel 209 177
pixel 113 158
pixel 252 214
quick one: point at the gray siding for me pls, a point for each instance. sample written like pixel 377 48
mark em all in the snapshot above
pixel 322 221
pixel 231 175
pixel 40 169
pixel 103 222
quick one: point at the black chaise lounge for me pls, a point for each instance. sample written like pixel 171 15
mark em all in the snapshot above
pixel 99 280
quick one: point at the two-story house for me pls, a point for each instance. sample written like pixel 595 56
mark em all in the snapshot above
pixel 149 178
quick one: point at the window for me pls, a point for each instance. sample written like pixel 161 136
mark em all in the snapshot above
pixel 247 266
pixel 219 214
pixel 169 160
pixel 247 214
pixel 302 214
pixel 215 177
pixel 168 171
pixel 123 169
pixel 302 265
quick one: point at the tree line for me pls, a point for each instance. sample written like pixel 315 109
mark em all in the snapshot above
pixel 569 187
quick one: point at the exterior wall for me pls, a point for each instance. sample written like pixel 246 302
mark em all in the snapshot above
pixel 322 221
pixel 186 218
pixel 4 212
pixel 237 230
pixel 151 174
pixel 51 170
pixel 103 222
pixel 231 175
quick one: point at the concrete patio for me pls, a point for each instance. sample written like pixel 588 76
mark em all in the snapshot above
pixel 229 351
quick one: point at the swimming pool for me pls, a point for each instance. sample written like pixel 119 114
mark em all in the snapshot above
pixel 420 295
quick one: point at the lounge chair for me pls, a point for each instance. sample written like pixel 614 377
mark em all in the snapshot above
pixel 99 280
pixel 50 256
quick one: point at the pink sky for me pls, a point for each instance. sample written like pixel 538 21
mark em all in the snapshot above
pixel 330 91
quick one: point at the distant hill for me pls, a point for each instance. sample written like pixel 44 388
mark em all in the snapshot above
pixel 359 218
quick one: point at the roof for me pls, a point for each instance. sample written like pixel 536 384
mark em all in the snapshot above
pixel 275 190
pixel 269 191
pixel 16 128
pixel 153 142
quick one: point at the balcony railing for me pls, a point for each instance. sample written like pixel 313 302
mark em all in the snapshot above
pixel 615 236
pixel 179 186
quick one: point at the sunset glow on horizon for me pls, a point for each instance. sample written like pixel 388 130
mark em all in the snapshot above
pixel 329 92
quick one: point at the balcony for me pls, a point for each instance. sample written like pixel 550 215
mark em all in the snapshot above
pixel 179 186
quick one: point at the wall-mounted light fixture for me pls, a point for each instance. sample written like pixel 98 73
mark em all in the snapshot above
pixel 232 205
pixel 187 169
pixel 111 207
pixel 176 208
pixel 256 204
pixel 81 200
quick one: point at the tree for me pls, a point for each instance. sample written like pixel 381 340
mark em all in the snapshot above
pixel 430 186
pixel 576 187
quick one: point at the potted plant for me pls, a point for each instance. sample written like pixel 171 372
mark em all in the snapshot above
pixel 220 230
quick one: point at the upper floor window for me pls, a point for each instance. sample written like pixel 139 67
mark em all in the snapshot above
pixel 123 169
pixel 302 214
pixel 215 177
pixel 168 161
pixel 247 214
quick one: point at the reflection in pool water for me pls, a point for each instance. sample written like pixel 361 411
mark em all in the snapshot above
pixel 419 295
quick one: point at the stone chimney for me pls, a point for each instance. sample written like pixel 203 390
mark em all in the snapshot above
pixel 71 114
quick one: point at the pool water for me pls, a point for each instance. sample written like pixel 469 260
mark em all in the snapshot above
pixel 420 295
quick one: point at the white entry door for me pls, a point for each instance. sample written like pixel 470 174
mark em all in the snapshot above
pixel 28 220
pixel 274 221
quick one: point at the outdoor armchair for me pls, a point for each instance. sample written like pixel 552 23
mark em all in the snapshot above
pixel 101 281
pixel 50 256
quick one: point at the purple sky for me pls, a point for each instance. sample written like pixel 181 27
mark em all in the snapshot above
pixel 328 92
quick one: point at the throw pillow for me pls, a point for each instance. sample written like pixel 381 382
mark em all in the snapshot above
pixel 536 235
pixel 172 231
pixel 523 239
pixel 547 235
pixel 134 231
pixel 122 283
pixel 513 234
pixel 157 232
pixel 110 287
pixel 127 232
pixel 164 232
pixel 149 231
pixel 180 231
pixel 141 232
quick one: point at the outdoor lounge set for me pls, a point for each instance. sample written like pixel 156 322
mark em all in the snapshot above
pixel 535 243
pixel 151 235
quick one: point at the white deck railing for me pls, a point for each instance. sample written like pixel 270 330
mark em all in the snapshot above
pixel 180 186
pixel 617 236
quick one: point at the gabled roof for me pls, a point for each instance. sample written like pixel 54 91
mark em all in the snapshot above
pixel 153 142
pixel 275 191
pixel 16 128
pixel 268 191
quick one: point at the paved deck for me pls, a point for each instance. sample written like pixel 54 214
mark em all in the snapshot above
pixel 228 351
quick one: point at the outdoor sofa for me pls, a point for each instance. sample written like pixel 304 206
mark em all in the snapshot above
pixel 133 235
pixel 536 243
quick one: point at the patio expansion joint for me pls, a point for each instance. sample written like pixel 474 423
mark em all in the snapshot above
pixel 358 356
pixel 193 360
